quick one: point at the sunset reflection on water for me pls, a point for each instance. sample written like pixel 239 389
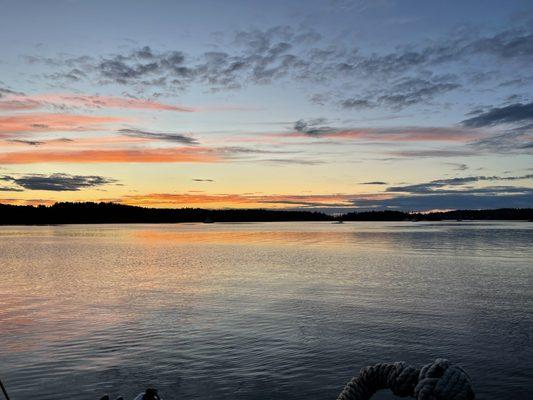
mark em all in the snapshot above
pixel 286 310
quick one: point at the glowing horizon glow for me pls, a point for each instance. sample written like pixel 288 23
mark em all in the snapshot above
pixel 338 107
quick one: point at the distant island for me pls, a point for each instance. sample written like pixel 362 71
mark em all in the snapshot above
pixel 102 213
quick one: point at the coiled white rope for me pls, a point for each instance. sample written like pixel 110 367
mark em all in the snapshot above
pixel 440 380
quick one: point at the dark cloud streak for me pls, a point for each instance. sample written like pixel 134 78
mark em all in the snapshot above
pixel 502 115
pixel 57 182
pixel 438 185
pixel 446 201
pixel 168 137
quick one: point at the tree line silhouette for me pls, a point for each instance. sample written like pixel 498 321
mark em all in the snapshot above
pixel 99 213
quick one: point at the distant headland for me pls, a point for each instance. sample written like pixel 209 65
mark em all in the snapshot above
pixel 101 213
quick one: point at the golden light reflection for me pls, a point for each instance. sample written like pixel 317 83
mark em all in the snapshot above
pixel 243 237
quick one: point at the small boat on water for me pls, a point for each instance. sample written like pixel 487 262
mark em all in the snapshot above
pixel 338 222
pixel 208 221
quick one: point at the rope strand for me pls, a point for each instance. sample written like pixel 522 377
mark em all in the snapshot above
pixel 440 380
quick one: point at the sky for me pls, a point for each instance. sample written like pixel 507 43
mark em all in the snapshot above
pixel 330 105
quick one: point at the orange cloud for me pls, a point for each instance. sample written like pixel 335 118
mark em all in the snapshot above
pixel 162 155
pixel 89 101
pixel 245 200
pixel 43 122
pixel 28 202
pixel 185 199
pixel 218 201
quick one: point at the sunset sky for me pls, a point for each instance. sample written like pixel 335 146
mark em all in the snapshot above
pixel 331 105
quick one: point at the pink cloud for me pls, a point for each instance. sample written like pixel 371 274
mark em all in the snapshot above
pixel 404 134
pixel 44 122
pixel 19 102
pixel 161 155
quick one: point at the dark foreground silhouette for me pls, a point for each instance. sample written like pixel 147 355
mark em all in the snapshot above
pixel 100 213
pixel 439 379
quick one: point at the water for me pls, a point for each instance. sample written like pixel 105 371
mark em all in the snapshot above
pixel 261 311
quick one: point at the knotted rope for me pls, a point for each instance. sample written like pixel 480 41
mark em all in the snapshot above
pixel 440 380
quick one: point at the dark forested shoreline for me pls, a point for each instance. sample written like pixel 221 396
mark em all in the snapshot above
pixel 98 213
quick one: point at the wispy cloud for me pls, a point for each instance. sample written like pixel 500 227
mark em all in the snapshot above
pixel 6 91
pixel 168 137
pixel 67 101
pixel 43 122
pixel 19 104
pixel 502 115
pixel 458 166
pixel 126 155
pixel 440 185
pixel 424 153
pixel 10 189
pixel 27 142
pixel 397 78
pixel 513 140
pixel 406 92
pixel 318 128
pixel 294 161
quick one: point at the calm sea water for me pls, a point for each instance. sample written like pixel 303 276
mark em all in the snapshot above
pixel 261 311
